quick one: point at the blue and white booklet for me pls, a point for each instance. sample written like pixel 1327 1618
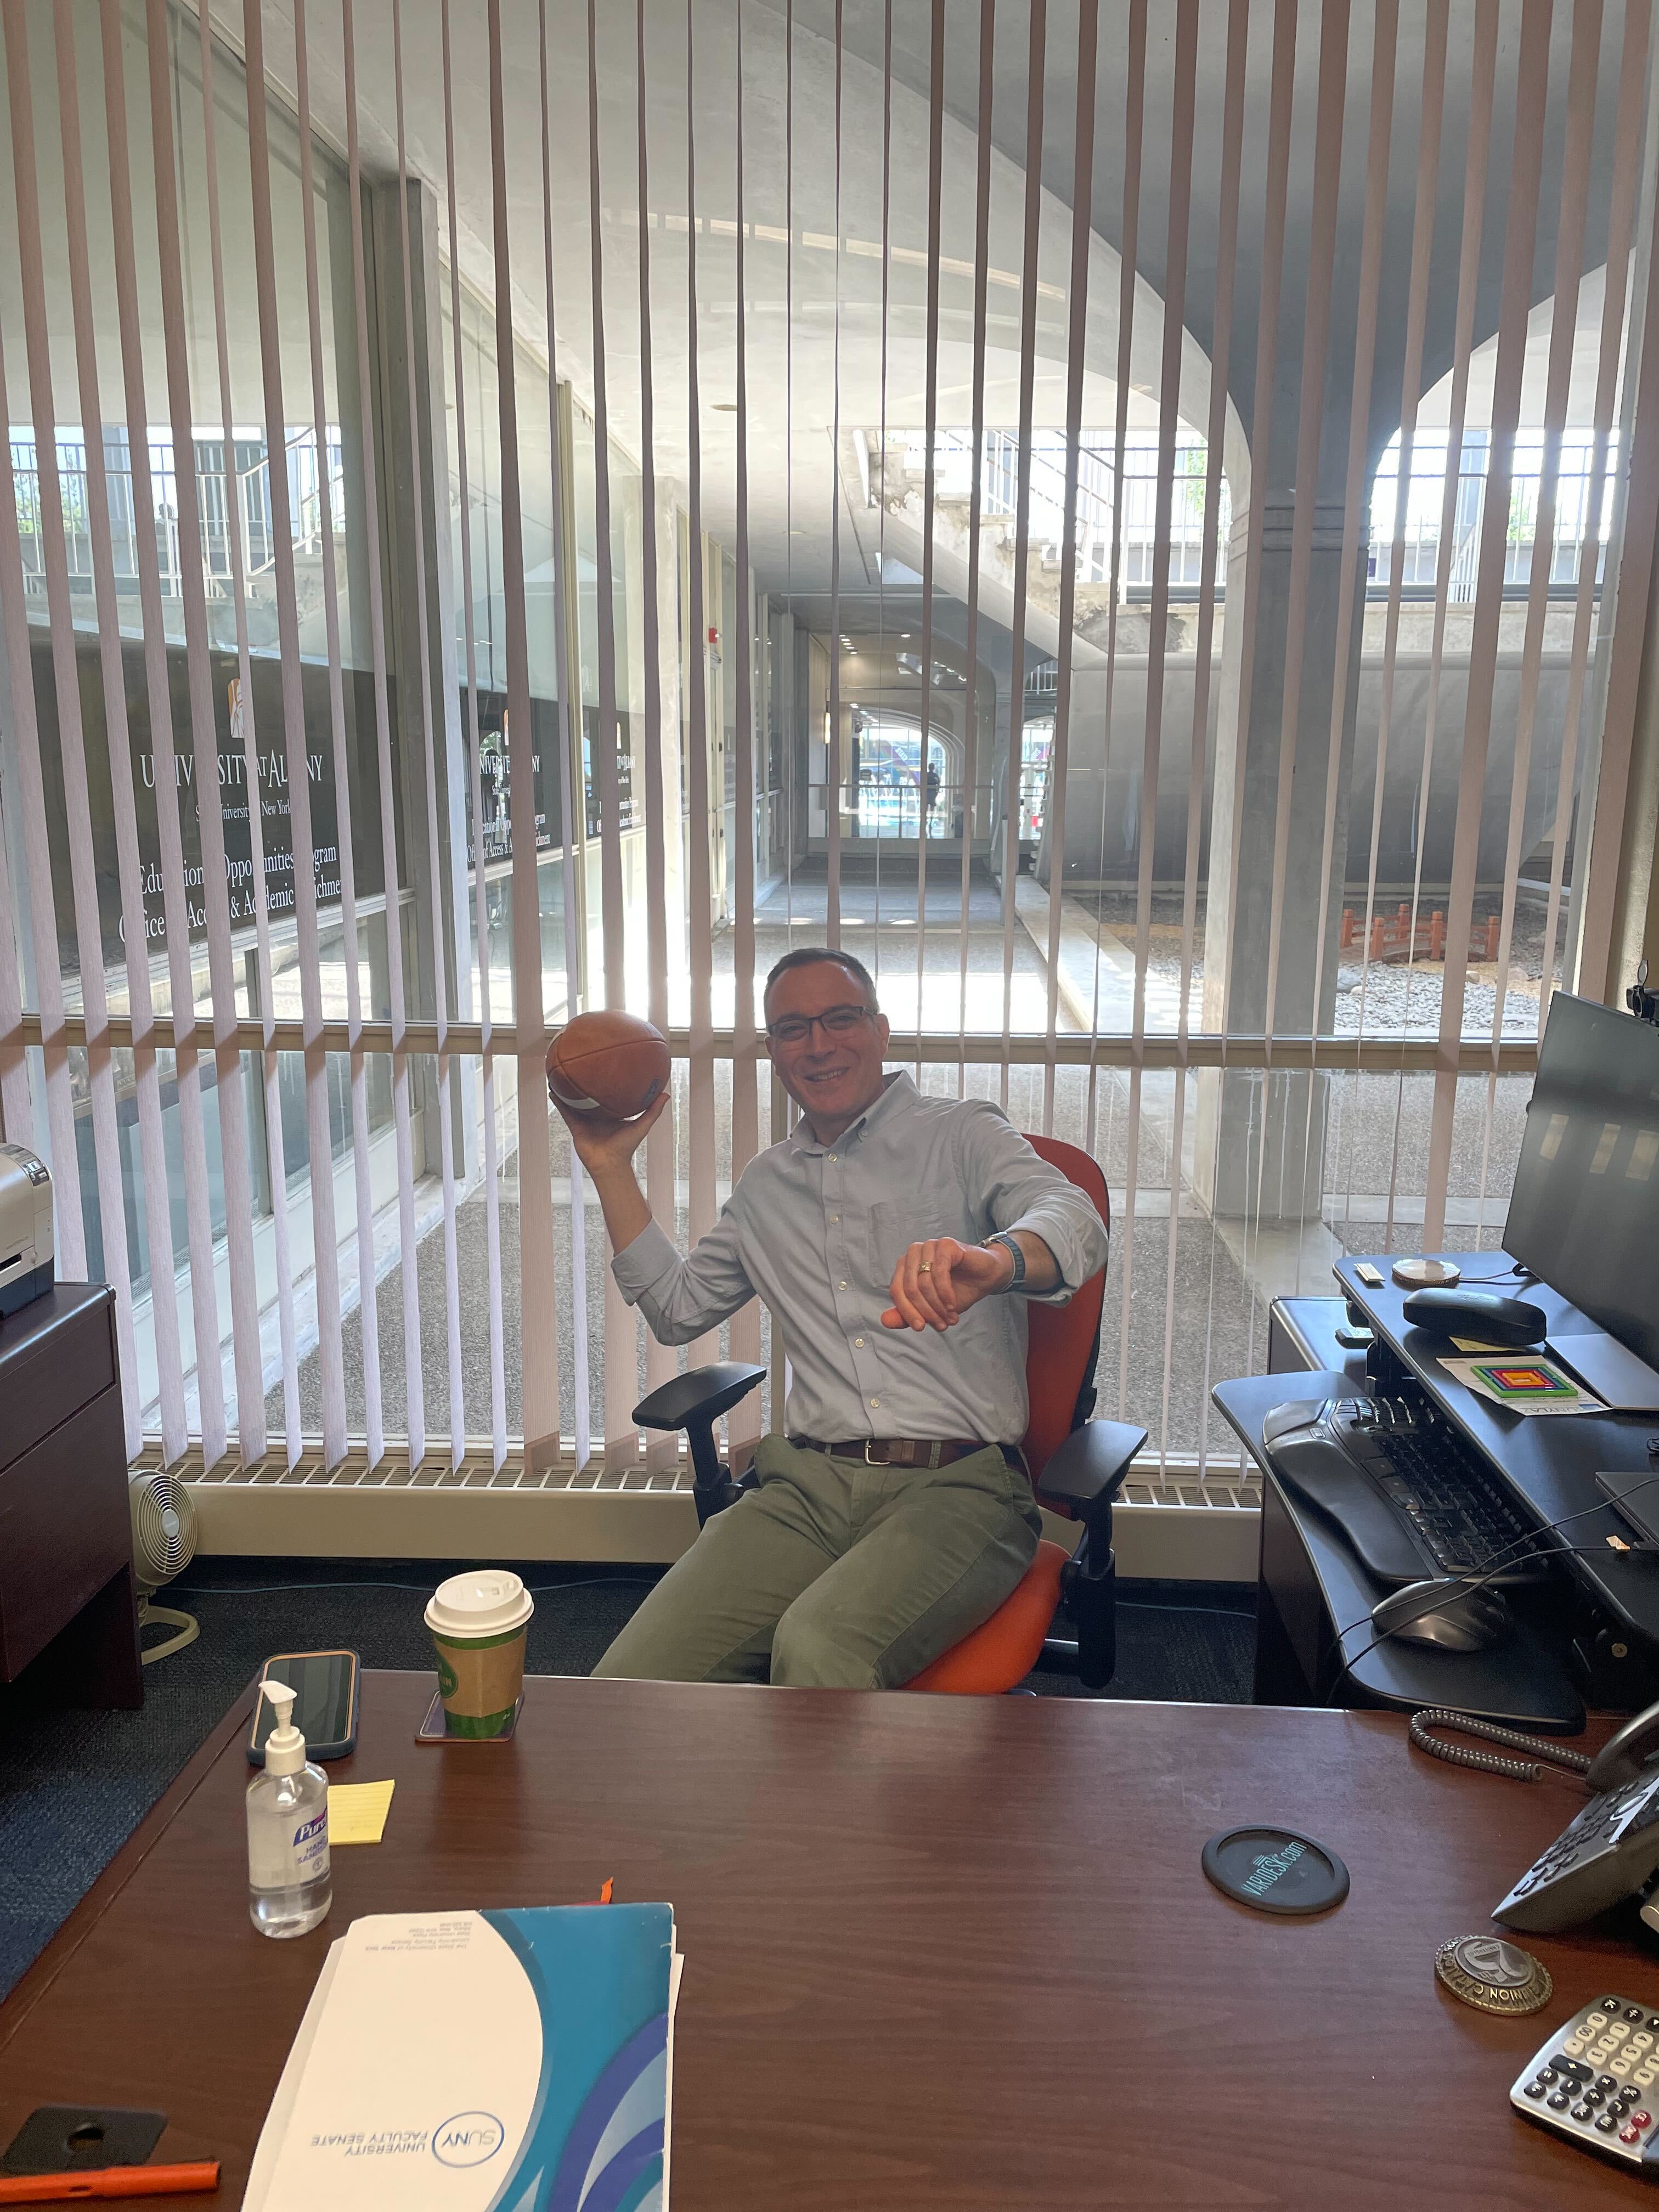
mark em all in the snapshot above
pixel 481 2061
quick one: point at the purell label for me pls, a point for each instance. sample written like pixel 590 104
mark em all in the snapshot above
pixel 287 1847
pixel 310 1847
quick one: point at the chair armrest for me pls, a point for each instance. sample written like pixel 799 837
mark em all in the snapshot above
pixel 694 1401
pixel 1090 1464
pixel 700 1394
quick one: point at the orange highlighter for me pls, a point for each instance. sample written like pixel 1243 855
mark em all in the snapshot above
pixel 103 2182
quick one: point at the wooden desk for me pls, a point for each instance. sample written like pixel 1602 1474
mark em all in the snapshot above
pixel 941 1952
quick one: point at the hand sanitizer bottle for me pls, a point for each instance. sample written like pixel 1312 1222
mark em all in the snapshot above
pixel 289 1887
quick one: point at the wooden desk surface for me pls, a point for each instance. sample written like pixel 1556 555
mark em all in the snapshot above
pixel 951 1951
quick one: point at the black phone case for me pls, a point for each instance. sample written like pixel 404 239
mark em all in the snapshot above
pixel 340 1749
pixel 80 2138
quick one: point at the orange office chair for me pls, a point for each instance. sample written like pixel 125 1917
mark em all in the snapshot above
pixel 1076 1465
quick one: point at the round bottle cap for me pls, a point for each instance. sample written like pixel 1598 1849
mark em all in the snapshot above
pixel 487 1602
pixel 1493 1976
pixel 1275 1870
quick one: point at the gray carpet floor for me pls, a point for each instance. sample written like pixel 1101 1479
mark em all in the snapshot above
pixel 74 1785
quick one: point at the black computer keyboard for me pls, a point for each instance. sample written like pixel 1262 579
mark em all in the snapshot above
pixel 1412 1496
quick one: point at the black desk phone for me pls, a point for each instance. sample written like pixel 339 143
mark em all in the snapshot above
pixel 1608 1851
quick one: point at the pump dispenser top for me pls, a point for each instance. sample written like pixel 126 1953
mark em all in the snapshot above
pixel 285 1747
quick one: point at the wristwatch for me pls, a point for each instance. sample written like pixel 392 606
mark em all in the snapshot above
pixel 1010 1242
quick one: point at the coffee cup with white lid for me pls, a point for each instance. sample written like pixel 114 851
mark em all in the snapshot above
pixel 479 1621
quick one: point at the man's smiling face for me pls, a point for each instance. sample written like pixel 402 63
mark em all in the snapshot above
pixel 833 1068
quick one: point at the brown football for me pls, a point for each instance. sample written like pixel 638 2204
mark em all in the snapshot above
pixel 607 1062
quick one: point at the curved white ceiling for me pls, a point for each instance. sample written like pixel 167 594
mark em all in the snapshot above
pixel 813 315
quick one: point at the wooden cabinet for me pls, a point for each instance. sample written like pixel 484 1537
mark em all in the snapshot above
pixel 67 1597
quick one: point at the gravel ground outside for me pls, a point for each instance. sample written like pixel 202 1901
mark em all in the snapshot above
pixel 1385 998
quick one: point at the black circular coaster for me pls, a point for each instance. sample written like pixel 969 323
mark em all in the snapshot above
pixel 1275 1870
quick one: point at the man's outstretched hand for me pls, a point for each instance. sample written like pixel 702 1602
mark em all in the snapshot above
pixel 936 1282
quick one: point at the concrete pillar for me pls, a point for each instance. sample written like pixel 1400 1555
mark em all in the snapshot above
pixel 1261 1135
pixel 412 443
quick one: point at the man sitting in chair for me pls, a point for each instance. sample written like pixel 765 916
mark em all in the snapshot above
pixel 894 1237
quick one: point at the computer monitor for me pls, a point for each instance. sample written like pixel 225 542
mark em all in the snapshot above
pixel 1584 1212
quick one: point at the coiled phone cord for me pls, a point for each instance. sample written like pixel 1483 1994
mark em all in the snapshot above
pixel 1455 1755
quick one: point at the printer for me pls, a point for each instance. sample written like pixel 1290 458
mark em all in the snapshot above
pixel 24 1228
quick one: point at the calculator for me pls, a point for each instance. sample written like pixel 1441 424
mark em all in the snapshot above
pixel 1597 2081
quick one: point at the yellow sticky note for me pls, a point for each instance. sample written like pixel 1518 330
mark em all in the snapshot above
pixel 357 1811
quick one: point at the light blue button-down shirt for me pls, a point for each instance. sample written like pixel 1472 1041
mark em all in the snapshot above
pixel 816 1231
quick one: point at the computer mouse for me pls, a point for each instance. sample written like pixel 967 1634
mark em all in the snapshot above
pixel 1448 1612
pixel 1483 1316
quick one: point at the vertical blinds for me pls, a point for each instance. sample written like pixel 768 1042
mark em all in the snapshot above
pixel 1139 523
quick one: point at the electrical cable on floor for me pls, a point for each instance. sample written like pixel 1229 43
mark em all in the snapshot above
pixel 1217 1612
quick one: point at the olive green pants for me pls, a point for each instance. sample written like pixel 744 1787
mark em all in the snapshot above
pixel 834 1574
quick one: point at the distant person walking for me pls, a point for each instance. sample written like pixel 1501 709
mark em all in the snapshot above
pixel 931 786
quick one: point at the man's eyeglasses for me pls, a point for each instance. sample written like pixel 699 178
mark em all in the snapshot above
pixel 796 1029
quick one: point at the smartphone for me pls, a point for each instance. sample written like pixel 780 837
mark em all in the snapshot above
pixel 81 2138
pixel 324 1685
pixel 1372 1277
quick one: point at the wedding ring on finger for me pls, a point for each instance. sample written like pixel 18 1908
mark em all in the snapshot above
pixel 926 1267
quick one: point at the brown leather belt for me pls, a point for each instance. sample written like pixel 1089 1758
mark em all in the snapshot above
pixel 900 1451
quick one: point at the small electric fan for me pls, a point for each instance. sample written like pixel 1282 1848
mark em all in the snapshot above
pixel 163 1545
